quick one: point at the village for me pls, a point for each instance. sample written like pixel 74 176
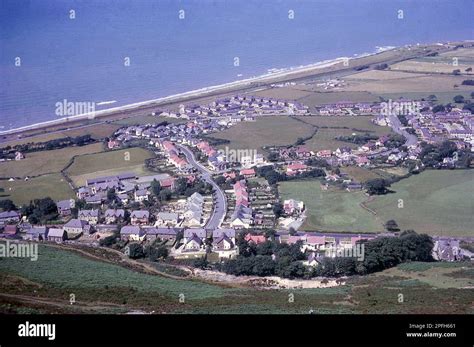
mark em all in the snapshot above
pixel 203 198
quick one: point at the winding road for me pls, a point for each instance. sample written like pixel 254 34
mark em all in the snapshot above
pixel 220 204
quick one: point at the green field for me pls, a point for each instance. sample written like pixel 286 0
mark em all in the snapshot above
pixel 330 210
pixel 266 131
pixel 21 192
pixel 332 127
pixel 45 285
pixel 38 163
pixel 108 163
pixel 435 202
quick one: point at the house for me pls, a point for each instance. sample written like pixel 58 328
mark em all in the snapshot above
pixel 255 238
pixel 123 198
pixel 139 217
pixel 296 168
pixel 242 217
pixel 223 242
pixel 141 195
pixel 9 217
pixel 36 234
pixel 56 235
pixel 292 206
pixel 132 233
pixel 65 206
pixel 248 173
pixel 362 161
pixel 10 229
pixel 194 240
pixel 91 216
pixel 324 153
pixel 75 227
pixel 113 216
pixel 167 219
pixel 314 259
pixel 168 234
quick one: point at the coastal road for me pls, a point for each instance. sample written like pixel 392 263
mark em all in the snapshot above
pixel 220 204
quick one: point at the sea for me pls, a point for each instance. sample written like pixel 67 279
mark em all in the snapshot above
pixel 117 52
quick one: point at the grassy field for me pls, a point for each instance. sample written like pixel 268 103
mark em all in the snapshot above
pixel 330 210
pixel 324 97
pixel 38 163
pixel 380 82
pixel 21 192
pixel 435 202
pixel 266 131
pixel 96 131
pixel 108 163
pixel 101 287
pixel 332 127
pixel 442 63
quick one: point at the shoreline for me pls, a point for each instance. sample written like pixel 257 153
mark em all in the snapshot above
pixel 201 92
pixel 273 76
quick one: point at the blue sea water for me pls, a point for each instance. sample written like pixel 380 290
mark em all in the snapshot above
pixel 82 59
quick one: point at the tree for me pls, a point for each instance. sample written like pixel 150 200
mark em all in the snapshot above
pixel 155 187
pixel 438 108
pixel 155 252
pixel 273 156
pixel 165 194
pixel 377 186
pixel 265 248
pixel 135 251
pixel 7 205
pixel 391 225
pixel 201 263
pixel 111 195
pixel 459 99
pixel 278 209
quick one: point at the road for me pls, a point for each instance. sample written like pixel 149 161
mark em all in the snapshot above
pixel 220 204
pixel 398 128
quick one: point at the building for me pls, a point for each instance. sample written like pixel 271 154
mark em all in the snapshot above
pixel 168 234
pixel 223 242
pixel 76 227
pixel 9 217
pixel 56 235
pixel 194 240
pixel 36 234
pixel 170 219
pixel 139 217
pixel 113 216
pixel 141 195
pixel 65 206
pixel 132 233
pixel 90 216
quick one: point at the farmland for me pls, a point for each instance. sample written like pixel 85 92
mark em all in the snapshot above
pixel 434 202
pixel 101 287
pixel 330 210
pixel 21 192
pixel 108 163
pixel 38 163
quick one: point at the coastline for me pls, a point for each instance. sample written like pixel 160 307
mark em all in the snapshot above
pixel 285 73
pixel 388 54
